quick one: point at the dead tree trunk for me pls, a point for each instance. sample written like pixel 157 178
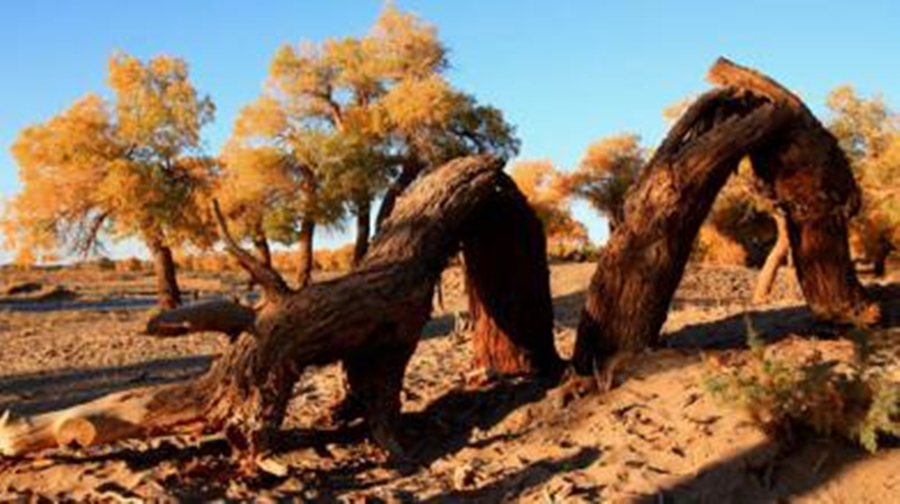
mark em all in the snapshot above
pixel 811 180
pixel 305 253
pixel 509 289
pixel 169 295
pixel 779 254
pixel 371 318
pixel 642 264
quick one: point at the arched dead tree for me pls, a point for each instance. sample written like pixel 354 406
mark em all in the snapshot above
pixel 513 312
pixel 644 260
pixel 370 318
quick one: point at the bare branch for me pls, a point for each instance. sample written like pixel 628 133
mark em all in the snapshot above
pixel 270 280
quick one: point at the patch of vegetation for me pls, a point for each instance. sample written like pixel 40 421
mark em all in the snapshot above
pixel 852 398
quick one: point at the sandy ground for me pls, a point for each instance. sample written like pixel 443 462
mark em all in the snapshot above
pixel 656 438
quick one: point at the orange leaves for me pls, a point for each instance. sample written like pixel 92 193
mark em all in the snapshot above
pixel 542 185
pixel 125 167
pixel 608 169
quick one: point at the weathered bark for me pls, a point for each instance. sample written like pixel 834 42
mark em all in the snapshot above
pixel 305 253
pixel 509 289
pixel 363 218
pixel 371 318
pixel 779 254
pixel 222 316
pixel 169 295
pixel 811 180
pixel 643 262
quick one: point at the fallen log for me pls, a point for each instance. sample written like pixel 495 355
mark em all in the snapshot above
pixel 644 260
pixel 370 318
pixel 223 316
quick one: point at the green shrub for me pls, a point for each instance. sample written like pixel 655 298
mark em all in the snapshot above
pixel 832 397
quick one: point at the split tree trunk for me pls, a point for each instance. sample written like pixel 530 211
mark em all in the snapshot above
pixel 169 295
pixel 370 318
pixel 778 255
pixel 642 264
pixel 305 253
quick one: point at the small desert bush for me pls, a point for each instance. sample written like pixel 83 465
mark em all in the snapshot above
pixel 832 397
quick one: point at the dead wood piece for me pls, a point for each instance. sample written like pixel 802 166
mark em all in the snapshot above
pixel 227 317
pixel 792 154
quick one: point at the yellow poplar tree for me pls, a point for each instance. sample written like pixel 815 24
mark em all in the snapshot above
pixel 130 167
pixel 349 118
pixel 605 173
pixel 869 133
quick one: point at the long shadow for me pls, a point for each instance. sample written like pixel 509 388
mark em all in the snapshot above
pixel 766 473
pixel 34 393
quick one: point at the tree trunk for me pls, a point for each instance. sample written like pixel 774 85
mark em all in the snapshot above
pixel 779 254
pixel 305 259
pixel 263 251
pixel 370 318
pixel 261 244
pixel 882 251
pixel 361 246
pixel 509 289
pixel 641 266
pixel 169 295
pixel 409 171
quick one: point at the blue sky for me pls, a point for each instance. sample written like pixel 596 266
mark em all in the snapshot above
pixel 565 73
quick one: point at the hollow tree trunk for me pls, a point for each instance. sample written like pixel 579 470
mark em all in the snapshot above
pixel 509 289
pixel 361 246
pixel 779 254
pixel 169 295
pixel 641 266
pixel 305 253
pixel 370 318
